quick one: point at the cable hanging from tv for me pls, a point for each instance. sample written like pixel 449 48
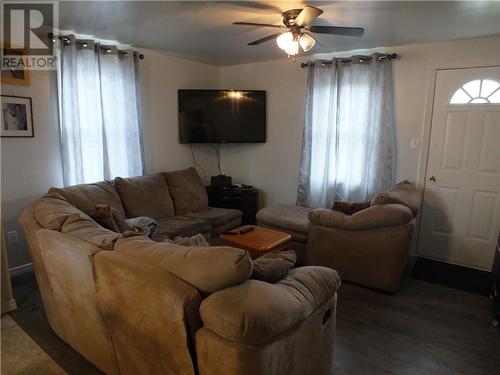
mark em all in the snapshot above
pixel 218 156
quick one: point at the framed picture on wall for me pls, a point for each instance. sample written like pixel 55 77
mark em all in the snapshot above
pixel 15 76
pixel 17 116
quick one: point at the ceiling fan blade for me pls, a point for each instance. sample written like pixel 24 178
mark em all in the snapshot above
pixel 262 40
pixel 307 16
pixel 337 30
pixel 256 6
pixel 258 24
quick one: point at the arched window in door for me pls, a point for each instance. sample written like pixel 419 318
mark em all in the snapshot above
pixel 478 91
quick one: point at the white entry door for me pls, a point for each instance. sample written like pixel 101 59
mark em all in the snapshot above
pixel 461 211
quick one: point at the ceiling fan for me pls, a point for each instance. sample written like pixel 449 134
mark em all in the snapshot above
pixel 297 29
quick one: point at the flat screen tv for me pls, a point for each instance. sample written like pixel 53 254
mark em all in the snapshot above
pixel 222 116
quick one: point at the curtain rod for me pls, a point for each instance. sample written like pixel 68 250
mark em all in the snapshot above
pixel 85 41
pixel 348 60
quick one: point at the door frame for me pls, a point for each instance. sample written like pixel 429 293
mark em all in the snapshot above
pixel 426 134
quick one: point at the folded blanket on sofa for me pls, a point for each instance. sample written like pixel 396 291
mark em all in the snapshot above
pixel 196 240
pixel 142 224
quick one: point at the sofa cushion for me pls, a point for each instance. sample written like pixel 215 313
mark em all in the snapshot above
pixel 273 266
pixel 86 196
pixel 145 196
pixel 291 217
pixel 58 214
pixel 404 193
pixel 378 216
pixel 52 211
pixel 216 216
pixel 208 269
pixel 83 227
pixel 188 191
pixel 236 313
pixel 182 226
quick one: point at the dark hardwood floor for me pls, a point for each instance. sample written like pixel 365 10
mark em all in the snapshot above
pixel 423 329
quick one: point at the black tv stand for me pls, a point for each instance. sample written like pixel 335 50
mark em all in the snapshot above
pixel 244 198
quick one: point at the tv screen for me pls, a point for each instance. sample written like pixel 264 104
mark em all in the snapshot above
pixel 222 116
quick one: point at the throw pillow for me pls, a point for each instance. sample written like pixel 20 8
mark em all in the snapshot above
pixel 145 196
pixel 350 208
pixel 109 218
pixel 187 190
pixel 273 266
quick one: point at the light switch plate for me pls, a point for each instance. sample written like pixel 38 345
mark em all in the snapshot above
pixel 415 144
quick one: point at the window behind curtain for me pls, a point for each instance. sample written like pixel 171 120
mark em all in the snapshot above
pixel 99 113
pixel 349 144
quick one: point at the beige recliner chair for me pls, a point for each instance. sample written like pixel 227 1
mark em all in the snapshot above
pixel 371 246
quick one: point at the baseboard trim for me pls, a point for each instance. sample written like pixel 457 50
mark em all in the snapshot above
pixel 19 270
pixel 9 306
pixel 452 275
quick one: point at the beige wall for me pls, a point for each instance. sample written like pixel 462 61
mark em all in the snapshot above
pixel 273 166
pixel 30 166
pixel 160 77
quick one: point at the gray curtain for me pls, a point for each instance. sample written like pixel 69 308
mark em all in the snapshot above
pixel 349 141
pixel 99 113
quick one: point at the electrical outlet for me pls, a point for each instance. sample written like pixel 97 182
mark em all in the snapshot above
pixel 12 238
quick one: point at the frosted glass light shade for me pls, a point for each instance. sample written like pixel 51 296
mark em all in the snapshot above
pixel 306 42
pixel 285 40
pixel 293 48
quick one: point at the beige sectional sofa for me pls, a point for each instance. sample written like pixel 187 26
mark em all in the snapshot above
pixel 133 305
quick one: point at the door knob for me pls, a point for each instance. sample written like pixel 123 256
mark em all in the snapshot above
pixel 432 179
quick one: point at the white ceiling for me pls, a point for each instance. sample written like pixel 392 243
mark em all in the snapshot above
pixel 203 30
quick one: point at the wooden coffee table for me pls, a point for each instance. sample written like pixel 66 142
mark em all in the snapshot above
pixel 257 242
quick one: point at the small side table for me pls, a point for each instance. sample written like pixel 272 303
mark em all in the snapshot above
pixel 258 242
pixel 244 199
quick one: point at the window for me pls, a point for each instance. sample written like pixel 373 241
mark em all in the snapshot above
pixel 349 142
pixel 99 112
pixel 478 91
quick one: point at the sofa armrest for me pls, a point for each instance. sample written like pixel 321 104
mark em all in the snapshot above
pixel 68 263
pixel 207 268
pixel 379 216
pixel 255 311
pixel 150 313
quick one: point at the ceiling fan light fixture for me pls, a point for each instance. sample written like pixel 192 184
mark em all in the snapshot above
pixel 306 42
pixel 293 49
pixel 285 40
pixel 298 29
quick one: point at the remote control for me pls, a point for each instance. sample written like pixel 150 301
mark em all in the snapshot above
pixel 230 233
pixel 246 230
